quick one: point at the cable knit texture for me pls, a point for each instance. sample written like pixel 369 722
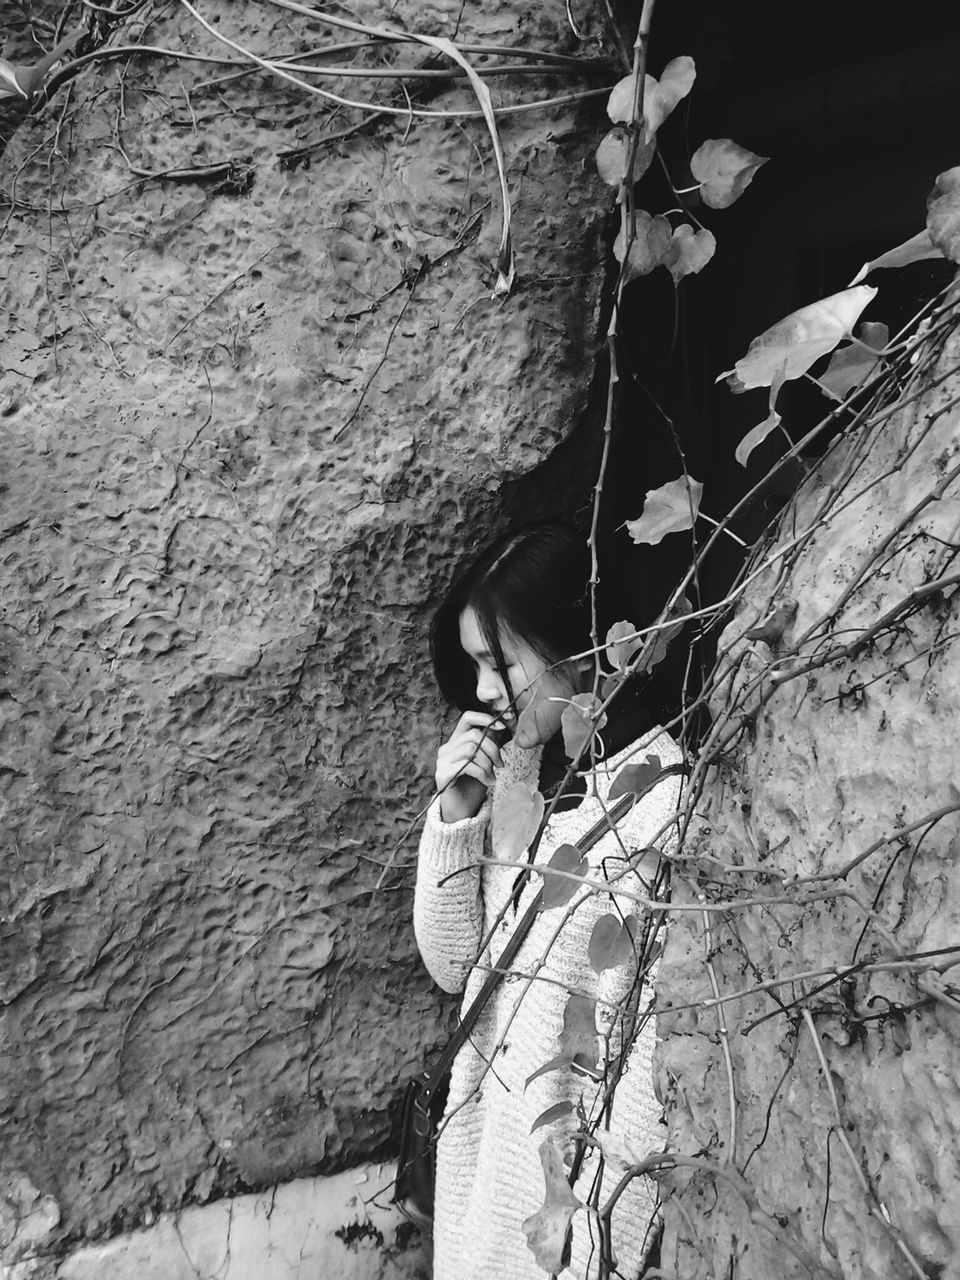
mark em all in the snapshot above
pixel 489 1175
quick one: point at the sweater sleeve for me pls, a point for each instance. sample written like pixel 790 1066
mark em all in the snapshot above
pixel 448 918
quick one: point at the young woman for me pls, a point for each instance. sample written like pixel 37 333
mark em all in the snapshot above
pixel 506 639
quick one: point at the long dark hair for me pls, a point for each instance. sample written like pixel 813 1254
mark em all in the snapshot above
pixel 534 583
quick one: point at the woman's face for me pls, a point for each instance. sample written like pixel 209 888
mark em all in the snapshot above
pixel 530 677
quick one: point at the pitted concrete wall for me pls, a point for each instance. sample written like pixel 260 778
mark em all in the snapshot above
pixel 839 759
pixel 245 438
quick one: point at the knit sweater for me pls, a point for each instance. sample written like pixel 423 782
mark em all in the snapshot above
pixel 489 1173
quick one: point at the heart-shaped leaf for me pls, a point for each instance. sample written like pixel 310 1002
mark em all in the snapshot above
pixel 516 819
pixel 578 1039
pixel 621 101
pixel 670 509
pixel 548 1230
pixel 661 96
pixel 916 249
pixel 613 156
pixel 800 339
pixel 537 721
pixel 852 365
pixel 943 213
pixel 580 720
pixel 724 170
pixel 622 643
pixel 558 890
pixel 556 1112
pixel 649 247
pixel 634 779
pixel 689 251
pixel 611 943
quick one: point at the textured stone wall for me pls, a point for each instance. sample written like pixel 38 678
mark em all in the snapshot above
pixel 840 758
pixel 249 422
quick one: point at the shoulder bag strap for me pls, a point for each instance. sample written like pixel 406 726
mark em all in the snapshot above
pixel 459 1038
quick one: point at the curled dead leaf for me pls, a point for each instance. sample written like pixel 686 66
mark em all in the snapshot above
pixel 548 1230
pixel 775 624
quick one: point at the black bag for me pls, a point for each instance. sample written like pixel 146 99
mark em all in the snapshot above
pixel 426 1094
pixel 417 1161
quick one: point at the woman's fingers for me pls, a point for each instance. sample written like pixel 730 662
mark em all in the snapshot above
pixel 472 745
pixel 472 750
pixel 453 759
pixel 484 722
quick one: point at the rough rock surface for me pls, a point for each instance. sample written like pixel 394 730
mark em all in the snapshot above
pixel 855 1175
pixel 248 425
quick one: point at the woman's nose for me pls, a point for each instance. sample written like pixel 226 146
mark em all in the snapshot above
pixel 489 686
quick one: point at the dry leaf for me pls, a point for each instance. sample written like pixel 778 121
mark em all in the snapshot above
pixel 548 1230
pixel 661 96
pixel 613 155
pixel 664 638
pixel 558 890
pixel 579 722
pixel 670 509
pixel 622 643
pixel 769 424
pixel 771 630
pixel 800 339
pixel 649 247
pixel 634 779
pixel 516 819
pixel 724 170
pixel 916 249
pixel 689 251
pixel 851 366
pixel 611 943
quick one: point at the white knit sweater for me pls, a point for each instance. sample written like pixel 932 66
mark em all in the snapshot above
pixel 489 1175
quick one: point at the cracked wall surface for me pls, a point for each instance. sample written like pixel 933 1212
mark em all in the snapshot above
pixel 248 425
pixel 830 768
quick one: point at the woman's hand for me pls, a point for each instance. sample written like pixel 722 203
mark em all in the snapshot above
pixel 466 763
